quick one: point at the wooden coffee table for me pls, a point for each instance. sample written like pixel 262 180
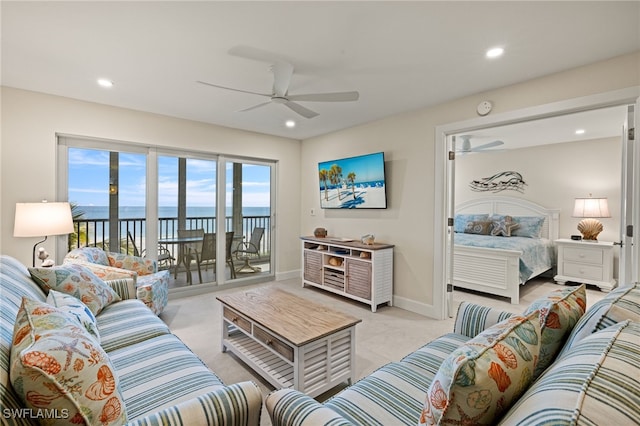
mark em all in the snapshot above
pixel 290 341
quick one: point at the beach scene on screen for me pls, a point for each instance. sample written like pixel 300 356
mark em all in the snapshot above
pixel 356 182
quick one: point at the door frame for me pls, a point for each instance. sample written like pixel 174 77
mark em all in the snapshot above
pixel 443 185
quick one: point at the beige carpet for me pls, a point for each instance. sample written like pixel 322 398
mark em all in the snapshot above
pixel 381 337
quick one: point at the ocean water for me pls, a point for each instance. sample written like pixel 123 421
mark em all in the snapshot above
pixel 138 212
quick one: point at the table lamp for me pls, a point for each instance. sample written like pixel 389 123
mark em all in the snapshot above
pixel 590 209
pixel 41 220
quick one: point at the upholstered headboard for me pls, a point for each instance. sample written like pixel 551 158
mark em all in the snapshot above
pixel 514 207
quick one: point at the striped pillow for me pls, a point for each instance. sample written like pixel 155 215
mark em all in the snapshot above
pixel 621 304
pixel 595 383
pixel 481 379
pixel 560 310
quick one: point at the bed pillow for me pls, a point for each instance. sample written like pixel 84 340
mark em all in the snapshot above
pixel 528 226
pixel 78 281
pixel 503 226
pixel 57 365
pixel 460 221
pixel 480 380
pixel 479 227
pixel 559 310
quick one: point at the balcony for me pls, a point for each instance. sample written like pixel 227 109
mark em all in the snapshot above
pixel 95 232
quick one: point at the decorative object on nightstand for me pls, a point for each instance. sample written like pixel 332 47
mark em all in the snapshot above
pixel 41 220
pixel 588 262
pixel 591 209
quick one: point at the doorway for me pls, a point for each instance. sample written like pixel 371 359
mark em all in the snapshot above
pixel 445 174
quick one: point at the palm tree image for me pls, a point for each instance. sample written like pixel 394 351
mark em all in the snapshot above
pixel 335 177
pixel 351 178
pixel 324 177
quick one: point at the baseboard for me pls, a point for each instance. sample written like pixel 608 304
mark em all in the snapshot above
pixel 415 307
pixel 288 275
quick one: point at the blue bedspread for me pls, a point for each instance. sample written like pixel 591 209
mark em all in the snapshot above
pixel 538 254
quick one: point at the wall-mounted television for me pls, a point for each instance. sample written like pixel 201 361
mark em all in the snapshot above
pixel 353 183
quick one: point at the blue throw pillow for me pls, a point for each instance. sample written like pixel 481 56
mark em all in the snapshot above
pixel 529 226
pixel 460 221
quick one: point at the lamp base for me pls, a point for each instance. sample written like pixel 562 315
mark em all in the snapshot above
pixel 590 228
pixel 35 246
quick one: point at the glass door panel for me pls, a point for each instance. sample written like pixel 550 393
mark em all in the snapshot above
pixel 187 218
pixel 249 213
pixel 104 189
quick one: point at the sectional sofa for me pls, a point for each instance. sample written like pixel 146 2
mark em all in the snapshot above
pixel 552 365
pixel 108 360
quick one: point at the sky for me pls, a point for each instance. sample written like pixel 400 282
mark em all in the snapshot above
pixel 89 180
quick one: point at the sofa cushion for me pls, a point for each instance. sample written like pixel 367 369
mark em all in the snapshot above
pixel 621 304
pixel 481 379
pixel 595 383
pixel 75 307
pixel 117 330
pixel 78 281
pixel 391 395
pixel 160 372
pixel 559 310
pixel 57 365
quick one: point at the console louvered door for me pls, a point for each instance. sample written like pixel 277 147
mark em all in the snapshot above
pixel 313 266
pixel 358 278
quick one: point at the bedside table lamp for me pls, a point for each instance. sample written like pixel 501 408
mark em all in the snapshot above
pixel 41 220
pixel 590 209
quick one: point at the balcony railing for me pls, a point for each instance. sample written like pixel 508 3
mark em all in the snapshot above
pixel 95 232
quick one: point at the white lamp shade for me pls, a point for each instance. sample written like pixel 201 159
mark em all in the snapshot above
pixel 42 219
pixel 591 207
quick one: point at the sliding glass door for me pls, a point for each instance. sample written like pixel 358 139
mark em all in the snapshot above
pixel 249 212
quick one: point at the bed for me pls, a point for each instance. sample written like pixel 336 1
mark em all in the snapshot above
pixel 498 265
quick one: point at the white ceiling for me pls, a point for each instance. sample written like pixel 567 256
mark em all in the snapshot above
pixel 400 56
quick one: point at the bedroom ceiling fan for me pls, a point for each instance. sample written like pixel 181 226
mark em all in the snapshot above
pixel 467 148
pixel 282 72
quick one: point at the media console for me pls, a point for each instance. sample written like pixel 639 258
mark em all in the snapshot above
pixel 363 272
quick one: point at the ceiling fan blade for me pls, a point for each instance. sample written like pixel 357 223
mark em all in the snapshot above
pixel 305 112
pixel 487 145
pixel 326 97
pixel 235 90
pixel 248 52
pixel 255 106
pixel 282 72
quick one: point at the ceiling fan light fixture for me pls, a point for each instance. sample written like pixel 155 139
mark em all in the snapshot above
pixel 290 124
pixel 580 132
pixel 495 52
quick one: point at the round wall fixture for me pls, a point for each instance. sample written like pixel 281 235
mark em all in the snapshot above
pixel 484 108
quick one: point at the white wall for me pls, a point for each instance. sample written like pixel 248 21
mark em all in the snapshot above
pixel 408 141
pixel 555 175
pixel 30 122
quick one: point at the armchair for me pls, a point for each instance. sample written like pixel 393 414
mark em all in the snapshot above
pixel 140 276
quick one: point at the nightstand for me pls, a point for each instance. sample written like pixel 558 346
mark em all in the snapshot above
pixel 586 262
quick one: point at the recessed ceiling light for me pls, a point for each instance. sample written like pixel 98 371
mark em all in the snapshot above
pixel 290 124
pixel 495 52
pixel 105 83
pixel 580 132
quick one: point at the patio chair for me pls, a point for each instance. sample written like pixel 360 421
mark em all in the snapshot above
pixel 191 251
pixel 250 250
pixel 165 258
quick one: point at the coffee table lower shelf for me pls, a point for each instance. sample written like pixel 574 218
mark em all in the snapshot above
pixel 316 367
pixel 272 367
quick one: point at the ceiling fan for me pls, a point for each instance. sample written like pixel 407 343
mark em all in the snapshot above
pixel 467 148
pixel 282 72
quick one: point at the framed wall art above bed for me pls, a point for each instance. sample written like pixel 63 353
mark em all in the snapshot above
pixel 502 242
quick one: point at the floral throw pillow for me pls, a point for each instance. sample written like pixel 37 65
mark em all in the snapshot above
pixel 57 365
pixel 78 281
pixel 75 307
pixel 481 379
pixel 559 310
